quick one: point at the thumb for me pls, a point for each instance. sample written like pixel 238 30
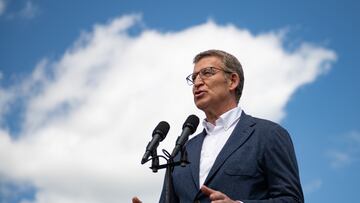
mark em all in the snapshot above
pixel 136 200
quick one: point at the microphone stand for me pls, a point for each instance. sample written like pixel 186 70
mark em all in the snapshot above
pixel 169 181
pixel 170 164
pixel 154 161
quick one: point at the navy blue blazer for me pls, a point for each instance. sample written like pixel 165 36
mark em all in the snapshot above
pixel 256 164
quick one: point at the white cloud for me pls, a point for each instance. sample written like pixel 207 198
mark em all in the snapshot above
pixel 354 138
pixel 312 186
pixel 29 10
pixel 5 97
pixel 2 7
pixel 339 159
pixel 87 122
pixel 346 152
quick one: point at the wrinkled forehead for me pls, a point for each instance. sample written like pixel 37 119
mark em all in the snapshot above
pixel 207 61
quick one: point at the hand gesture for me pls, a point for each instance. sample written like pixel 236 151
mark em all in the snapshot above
pixel 216 196
pixel 136 200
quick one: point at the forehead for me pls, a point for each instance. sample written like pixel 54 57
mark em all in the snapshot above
pixel 207 61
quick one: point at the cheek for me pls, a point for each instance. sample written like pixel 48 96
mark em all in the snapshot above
pixel 216 85
pixel 220 89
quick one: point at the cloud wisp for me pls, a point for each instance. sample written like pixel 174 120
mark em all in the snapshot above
pixel 2 6
pixel 347 151
pixel 28 10
pixel 312 186
pixel 89 115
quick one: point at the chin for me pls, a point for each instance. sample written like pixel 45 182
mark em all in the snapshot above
pixel 201 105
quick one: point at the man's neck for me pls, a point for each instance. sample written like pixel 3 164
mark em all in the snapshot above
pixel 212 116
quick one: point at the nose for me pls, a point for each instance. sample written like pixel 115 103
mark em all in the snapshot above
pixel 198 81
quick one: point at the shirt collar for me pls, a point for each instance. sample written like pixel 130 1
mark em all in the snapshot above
pixel 225 121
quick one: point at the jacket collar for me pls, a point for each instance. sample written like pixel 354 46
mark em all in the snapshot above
pixel 241 133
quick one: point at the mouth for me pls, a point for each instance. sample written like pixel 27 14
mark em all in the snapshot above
pixel 199 93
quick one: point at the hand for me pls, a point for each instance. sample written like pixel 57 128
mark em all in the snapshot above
pixel 216 196
pixel 136 200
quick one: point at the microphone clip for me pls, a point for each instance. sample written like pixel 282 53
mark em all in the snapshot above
pixel 170 163
pixel 154 162
pixel 183 157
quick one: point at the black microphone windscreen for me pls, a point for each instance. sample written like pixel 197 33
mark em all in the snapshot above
pixel 192 122
pixel 162 129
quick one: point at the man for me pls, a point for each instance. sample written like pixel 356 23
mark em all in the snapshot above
pixel 237 158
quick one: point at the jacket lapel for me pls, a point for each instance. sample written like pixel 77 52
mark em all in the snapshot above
pixel 240 134
pixel 194 158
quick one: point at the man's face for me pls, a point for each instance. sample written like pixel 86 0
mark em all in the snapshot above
pixel 213 92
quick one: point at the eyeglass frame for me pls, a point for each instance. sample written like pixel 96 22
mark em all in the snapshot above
pixel 190 79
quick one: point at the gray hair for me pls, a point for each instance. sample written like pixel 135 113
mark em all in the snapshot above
pixel 229 63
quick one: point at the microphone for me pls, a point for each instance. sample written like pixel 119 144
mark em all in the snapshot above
pixel 158 135
pixel 189 128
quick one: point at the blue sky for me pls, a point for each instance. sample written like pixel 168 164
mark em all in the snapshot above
pixel 39 38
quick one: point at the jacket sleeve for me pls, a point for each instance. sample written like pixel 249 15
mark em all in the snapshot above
pixel 279 162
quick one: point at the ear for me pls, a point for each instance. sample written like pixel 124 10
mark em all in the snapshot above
pixel 234 81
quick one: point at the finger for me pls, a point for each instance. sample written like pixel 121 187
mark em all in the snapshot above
pixel 136 200
pixel 223 201
pixel 206 190
pixel 217 196
pixel 212 194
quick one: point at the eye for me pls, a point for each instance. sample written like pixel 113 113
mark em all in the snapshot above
pixel 193 77
pixel 207 72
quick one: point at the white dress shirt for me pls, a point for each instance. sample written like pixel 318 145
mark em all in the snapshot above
pixel 214 141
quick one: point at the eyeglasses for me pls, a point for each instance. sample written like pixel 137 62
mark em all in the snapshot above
pixel 203 73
